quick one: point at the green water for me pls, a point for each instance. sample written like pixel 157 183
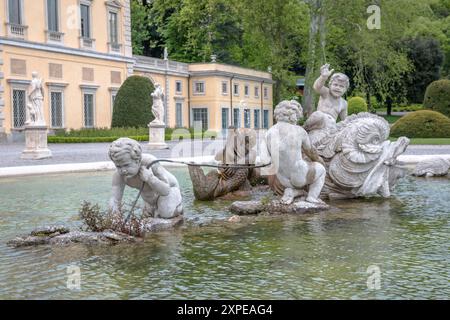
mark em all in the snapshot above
pixel 320 256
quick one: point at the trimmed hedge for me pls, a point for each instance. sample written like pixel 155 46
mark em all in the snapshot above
pixel 437 97
pixel 357 105
pixel 133 103
pixel 57 139
pixel 102 132
pixel 410 108
pixel 422 124
pixel 110 135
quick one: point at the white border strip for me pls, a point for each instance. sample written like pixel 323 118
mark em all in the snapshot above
pixel 109 166
pixel 84 167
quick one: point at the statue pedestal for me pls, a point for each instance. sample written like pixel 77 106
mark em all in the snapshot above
pixel 157 136
pixel 36 143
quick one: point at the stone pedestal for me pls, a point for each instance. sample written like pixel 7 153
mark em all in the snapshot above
pixel 36 143
pixel 157 137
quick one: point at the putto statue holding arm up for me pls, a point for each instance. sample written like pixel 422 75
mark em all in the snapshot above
pixel 321 125
pixel 331 101
pixel 158 105
pixel 161 193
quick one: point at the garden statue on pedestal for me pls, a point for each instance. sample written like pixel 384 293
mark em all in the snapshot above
pixel 158 105
pixel 35 126
pixel 157 126
pixel 161 192
pixel 35 108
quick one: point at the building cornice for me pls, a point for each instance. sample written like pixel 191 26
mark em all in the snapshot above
pixel 114 3
pixel 215 73
pixel 142 68
pixel 57 84
pixel 21 82
pixel 160 66
pixel 84 86
pixel 64 50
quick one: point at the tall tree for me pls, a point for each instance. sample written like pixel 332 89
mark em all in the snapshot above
pixel 372 57
pixel 316 50
pixel 139 26
pixel 433 21
pixel 196 29
pixel 426 56
pixel 273 37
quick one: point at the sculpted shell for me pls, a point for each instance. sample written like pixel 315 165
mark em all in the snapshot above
pixel 432 167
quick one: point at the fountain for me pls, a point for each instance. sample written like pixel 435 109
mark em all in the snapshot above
pixel 405 229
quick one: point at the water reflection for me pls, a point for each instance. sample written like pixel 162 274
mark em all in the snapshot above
pixel 323 255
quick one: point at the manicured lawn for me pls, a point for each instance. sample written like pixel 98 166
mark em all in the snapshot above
pixel 391 119
pixel 429 141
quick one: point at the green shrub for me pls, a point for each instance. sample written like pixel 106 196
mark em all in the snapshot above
pixel 357 105
pixel 410 108
pixel 109 135
pixel 374 102
pixel 133 103
pixel 437 97
pixel 422 124
pixel 56 139
pixel 103 132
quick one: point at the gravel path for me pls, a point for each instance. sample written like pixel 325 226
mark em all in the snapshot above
pixel 96 152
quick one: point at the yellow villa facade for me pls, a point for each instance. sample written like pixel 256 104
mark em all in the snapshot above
pixel 82 51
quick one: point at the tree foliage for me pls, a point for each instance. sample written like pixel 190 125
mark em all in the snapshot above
pixel 295 37
pixel 193 30
pixel 426 57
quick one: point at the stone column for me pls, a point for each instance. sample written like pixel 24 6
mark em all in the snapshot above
pixel 2 101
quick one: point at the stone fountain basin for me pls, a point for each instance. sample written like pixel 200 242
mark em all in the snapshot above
pixel 60 235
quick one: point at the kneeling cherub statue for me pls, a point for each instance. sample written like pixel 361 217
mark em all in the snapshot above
pixel 161 192
pixel 283 147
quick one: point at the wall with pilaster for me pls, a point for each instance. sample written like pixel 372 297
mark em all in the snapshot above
pixel 2 101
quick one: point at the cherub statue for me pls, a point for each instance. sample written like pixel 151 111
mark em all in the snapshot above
pixel 158 105
pixel 322 123
pixel 283 147
pixel 331 101
pixel 161 193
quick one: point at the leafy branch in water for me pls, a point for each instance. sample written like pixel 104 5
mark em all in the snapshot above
pixel 96 220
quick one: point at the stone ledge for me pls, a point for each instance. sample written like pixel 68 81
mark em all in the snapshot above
pixel 60 235
pixel 69 237
pixel 85 167
pixel 275 207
